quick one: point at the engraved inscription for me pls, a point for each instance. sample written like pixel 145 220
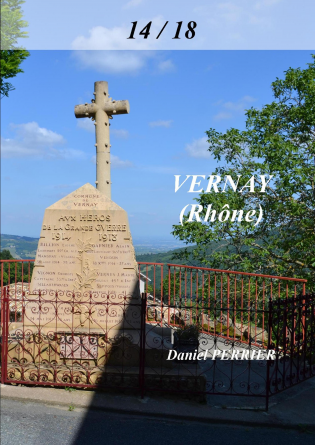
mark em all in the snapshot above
pixel 83 254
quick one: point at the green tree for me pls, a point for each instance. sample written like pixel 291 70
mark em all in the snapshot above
pixel 11 56
pixel 279 140
pixel 6 255
pixel 5 279
pixel 18 271
pixel 171 292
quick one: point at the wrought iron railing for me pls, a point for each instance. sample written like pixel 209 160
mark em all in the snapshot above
pixel 229 304
pixel 96 340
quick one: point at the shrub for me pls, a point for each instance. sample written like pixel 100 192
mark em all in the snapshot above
pixel 188 332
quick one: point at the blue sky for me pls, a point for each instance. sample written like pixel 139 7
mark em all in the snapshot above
pixel 175 96
pixel 221 24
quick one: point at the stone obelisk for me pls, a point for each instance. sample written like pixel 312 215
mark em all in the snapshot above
pixel 84 302
pixel 85 246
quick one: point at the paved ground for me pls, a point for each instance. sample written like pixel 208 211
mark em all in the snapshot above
pixel 222 374
pixel 30 423
pixel 292 409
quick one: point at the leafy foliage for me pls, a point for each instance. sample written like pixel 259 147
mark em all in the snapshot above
pixel 10 67
pixel 11 23
pixel 188 332
pixel 11 56
pixel 16 271
pixel 21 247
pixel 278 140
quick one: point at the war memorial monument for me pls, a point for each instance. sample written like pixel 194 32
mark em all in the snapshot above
pixel 85 245
pixel 84 319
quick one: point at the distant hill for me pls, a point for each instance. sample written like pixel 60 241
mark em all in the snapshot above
pixel 168 257
pixel 164 258
pixel 24 247
pixel 20 247
pixel 161 257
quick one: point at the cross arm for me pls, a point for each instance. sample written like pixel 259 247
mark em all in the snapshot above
pixel 110 108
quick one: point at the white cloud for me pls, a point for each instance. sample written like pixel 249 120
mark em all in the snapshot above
pixel 165 124
pixel 198 148
pixel 121 58
pixel 101 38
pixel 234 107
pixel 164 169
pixel 33 133
pixel 120 134
pixel 31 140
pixel 126 62
pixel 132 4
pixel 113 61
pixel 240 105
pixel 86 124
pixel 166 66
pixel 116 162
pixel 242 24
pixel 231 13
pixel 223 115
pixel 67 153
pixel 265 3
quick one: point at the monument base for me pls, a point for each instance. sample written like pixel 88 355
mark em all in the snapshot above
pixel 58 346
pixel 85 262
pixel 178 379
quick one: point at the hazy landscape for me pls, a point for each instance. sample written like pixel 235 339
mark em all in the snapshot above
pixel 153 250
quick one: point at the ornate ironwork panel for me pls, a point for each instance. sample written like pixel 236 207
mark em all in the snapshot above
pixel 292 337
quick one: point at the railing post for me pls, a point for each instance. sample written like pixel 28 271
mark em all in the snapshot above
pixel 4 348
pixel 228 307
pixel 270 307
pixel 162 297
pixel 169 293
pixel 312 332
pixel 142 343
pixel 303 318
pixel 2 288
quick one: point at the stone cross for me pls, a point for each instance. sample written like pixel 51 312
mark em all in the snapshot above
pixel 101 110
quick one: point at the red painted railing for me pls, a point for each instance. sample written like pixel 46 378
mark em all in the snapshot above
pixel 224 303
pixel 236 312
